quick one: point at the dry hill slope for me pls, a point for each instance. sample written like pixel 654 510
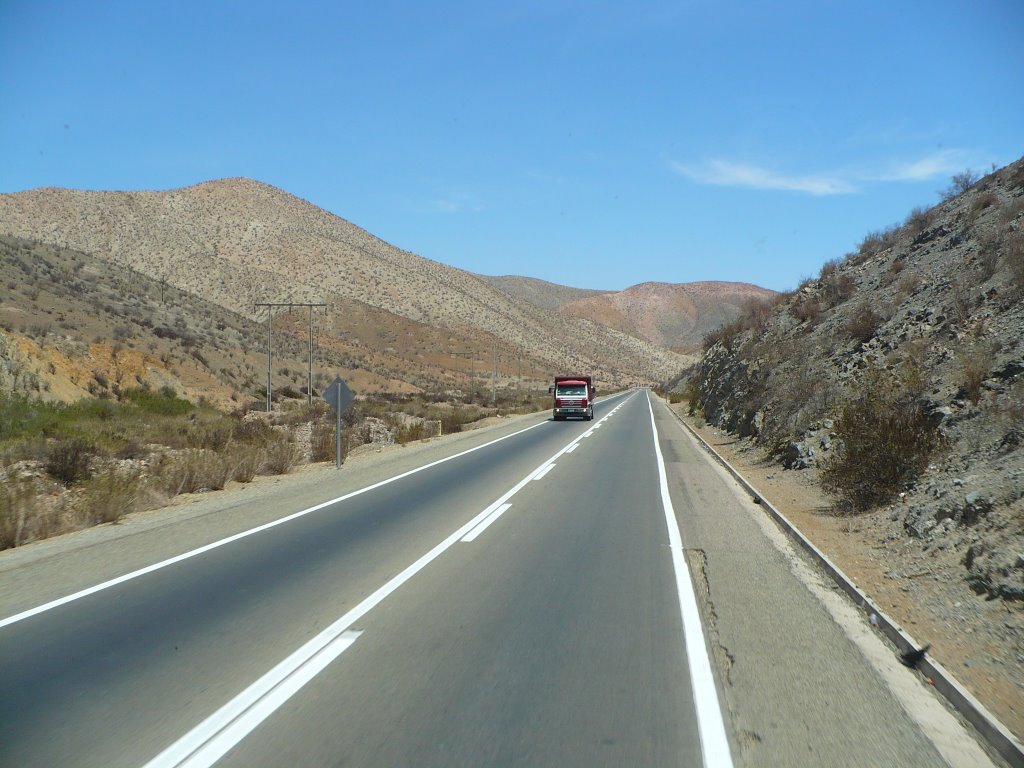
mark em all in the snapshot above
pixel 672 315
pixel 236 241
pixel 539 293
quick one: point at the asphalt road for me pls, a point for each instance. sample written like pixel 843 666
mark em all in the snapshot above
pixel 515 605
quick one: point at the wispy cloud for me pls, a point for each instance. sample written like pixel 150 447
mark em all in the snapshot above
pixel 940 163
pixel 724 173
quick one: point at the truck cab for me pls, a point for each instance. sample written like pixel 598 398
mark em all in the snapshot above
pixel 574 396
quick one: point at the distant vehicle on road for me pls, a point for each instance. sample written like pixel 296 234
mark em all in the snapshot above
pixel 574 396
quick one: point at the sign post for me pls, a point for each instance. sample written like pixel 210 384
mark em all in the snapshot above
pixel 339 397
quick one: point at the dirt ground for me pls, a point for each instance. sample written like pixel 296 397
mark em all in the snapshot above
pixel 979 641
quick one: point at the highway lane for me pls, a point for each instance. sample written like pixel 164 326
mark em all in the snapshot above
pixel 129 669
pixel 552 639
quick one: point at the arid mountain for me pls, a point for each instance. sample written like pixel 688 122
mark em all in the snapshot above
pixel 540 293
pixel 237 242
pixel 73 325
pixel 673 315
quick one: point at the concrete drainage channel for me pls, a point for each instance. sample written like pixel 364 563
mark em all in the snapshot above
pixel 994 732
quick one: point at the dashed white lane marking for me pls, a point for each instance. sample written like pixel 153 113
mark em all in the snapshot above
pixel 714 743
pixel 573 448
pixel 498 512
pixel 205 744
pixel 544 471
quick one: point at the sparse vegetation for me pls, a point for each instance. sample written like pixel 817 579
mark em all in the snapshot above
pixel 885 440
pixel 863 324
pixel 974 366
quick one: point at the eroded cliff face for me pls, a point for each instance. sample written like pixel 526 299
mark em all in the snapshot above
pixel 933 308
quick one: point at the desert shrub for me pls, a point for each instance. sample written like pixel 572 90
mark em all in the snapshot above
pixel 959 183
pixel 1011 210
pixel 253 431
pixel 806 309
pixel 874 243
pixel 17 507
pixel 245 461
pixel 961 297
pixel 68 460
pixel 323 444
pixel 838 288
pixel 212 437
pixel 453 420
pixel 191 471
pixel 884 441
pixel 908 284
pixel 974 367
pixel 863 324
pixel 279 456
pixel 410 433
pixel 108 496
pixel 918 220
pixel 983 201
pixel 989 246
pixel 1013 256
pixel 829 268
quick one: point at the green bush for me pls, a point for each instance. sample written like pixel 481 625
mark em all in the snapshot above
pixel 165 402
pixel 884 441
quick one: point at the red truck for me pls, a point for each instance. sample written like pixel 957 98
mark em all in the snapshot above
pixel 574 396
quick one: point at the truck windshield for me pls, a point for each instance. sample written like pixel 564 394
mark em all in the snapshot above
pixel 572 389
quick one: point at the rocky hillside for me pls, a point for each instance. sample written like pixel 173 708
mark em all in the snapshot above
pixel 673 315
pixel 898 375
pixel 236 242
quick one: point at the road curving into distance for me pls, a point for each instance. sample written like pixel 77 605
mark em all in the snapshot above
pixel 525 601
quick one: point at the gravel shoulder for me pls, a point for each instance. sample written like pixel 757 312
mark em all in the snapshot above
pixel 979 641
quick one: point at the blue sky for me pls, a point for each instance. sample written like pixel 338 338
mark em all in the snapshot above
pixel 595 144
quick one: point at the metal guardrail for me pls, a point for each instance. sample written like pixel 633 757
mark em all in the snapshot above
pixel 972 710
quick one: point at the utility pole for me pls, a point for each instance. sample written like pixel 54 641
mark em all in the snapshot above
pixel 494 376
pixel 270 344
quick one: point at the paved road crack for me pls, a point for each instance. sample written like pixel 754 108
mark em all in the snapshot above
pixel 698 560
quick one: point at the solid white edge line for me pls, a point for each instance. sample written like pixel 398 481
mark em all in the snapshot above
pixel 471 536
pixel 713 740
pixel 241 535
pixel 211 739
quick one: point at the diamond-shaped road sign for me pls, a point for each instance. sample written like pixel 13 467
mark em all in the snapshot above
pixel 338 395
